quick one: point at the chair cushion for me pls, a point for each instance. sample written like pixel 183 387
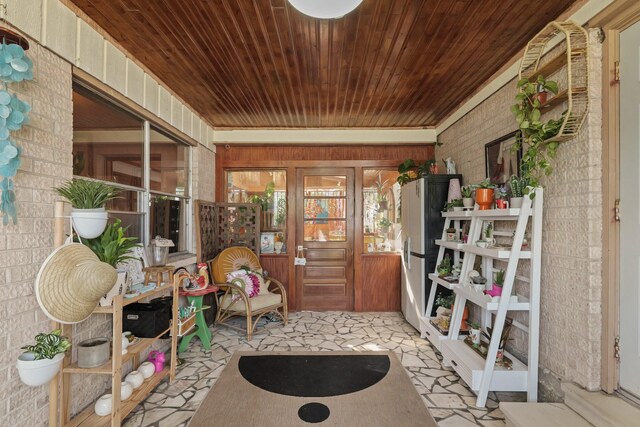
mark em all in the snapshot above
pixel 256 303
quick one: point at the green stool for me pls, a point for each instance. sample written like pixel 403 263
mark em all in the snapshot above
pixel 201 329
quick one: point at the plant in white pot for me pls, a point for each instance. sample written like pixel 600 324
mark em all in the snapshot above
pixel 113 248
pixel 467 196
pixel 87 200
pixel 518 185
pixel 42 361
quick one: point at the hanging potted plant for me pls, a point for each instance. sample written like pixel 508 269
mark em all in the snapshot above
pixel 113 248
pixel 536 136
pixel 87 200
pixel 42 361
pixel 484 194
pixel 381 196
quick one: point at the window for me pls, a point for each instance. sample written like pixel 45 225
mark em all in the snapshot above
pixel 109 145
pixel 268 188
pixel 381 210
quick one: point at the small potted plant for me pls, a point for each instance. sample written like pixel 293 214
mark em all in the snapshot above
pixel 457 205
pixel 452 234
pixel 447 301
pixel 113 248
pixel 498 281
pixel 381 196
pixel 87 199
pixel 467 196
pixel 501 197
pixel 384 225
pixel 42 360
pixel 517 184
pixel 484 194
pixel 445 267
pixel 475 332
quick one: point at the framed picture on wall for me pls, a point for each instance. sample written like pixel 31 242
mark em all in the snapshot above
pixel 267 241
pixel 501 159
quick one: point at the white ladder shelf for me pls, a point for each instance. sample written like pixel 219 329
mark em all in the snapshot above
pixel 481 374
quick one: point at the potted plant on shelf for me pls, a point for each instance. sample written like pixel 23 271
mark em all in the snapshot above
pixel 467 196
pixel 113 248
pixel 484 194
pixel 496 289
pixel 504 337
pixel 384 225
pixel 448 301
pixel 536 136
pixel 474 333
pixel 452 234
pixel 445 267
pixel 87 200
pixel 517 184
pixel 265 200
pixel 42 360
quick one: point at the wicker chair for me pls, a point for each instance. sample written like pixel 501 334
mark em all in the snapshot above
pixel 272 298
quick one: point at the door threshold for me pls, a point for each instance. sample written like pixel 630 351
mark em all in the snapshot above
pixel 628 397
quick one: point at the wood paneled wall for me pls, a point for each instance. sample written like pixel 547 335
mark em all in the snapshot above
pixel 381 294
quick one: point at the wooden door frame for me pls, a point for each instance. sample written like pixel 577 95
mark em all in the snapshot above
pixel 357 195
pixel 613 20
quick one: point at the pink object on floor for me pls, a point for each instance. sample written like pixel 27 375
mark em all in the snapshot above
pixel 158 359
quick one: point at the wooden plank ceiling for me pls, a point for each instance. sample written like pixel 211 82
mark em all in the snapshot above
pixel 261 63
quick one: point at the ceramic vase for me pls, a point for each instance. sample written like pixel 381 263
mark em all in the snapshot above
pixel 126 390
pixel 467 202
pixel 516 202
pixel 134 378
pixel 484 198
pixel 474 334
pixel 147 369
pixel 102 406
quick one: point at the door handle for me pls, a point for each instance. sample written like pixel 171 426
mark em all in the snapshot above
pixel 616 210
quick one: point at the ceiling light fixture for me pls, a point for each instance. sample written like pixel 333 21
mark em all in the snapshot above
pixel 325 9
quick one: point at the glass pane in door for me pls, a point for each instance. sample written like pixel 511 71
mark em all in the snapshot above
pixel 325 207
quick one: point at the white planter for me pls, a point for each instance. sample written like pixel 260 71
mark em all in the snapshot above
pixel 147 369
pixel 38 372
pixel 89 223
pixel 134 378
pixel 118 289
pixel 103 405
pixel 516 202
pixel 458 208
pixel 467 202
pixel 126 390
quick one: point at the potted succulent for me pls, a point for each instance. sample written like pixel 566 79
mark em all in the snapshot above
pixel 87 199
pixel 467 196
pixel 498 281
pixel 484 194
pixel 518 185
pixel 452 234
pixel 113 248
pixel 42 360
pixel 265 200
pixel 445 267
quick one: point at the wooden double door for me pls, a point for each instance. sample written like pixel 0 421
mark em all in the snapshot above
pixel 325 225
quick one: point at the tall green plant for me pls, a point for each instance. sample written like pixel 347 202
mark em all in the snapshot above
pixel 84 194
pixel 536 135
pixel 112 246
pixel 265 200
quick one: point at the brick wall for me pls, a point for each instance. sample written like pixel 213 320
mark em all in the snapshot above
pixel 572 228
pixel 47 144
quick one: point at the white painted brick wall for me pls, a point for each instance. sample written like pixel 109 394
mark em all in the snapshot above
pixel 571 285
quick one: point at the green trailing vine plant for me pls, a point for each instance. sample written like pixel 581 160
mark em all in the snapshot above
pixel 536 135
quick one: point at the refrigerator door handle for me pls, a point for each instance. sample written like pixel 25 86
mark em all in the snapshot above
pixel 407 252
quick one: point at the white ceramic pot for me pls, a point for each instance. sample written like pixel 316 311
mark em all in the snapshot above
pixel 147 369
pixel 38 372
pixel 89 223
pixel 125 344
pixel 118 289
pixel 126 390
pixel 458 208
pixel 103 405
pixel 467 202
pixel 516 202
pixel 475 335
pixel 135 378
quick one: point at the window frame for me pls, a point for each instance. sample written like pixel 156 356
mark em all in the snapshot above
pixel 145 192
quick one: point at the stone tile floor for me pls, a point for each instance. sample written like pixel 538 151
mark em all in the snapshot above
pixel 448 398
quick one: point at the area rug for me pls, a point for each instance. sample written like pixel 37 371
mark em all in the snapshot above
pixel 332 388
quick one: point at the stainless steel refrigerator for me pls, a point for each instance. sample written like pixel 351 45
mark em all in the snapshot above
pixel 421 205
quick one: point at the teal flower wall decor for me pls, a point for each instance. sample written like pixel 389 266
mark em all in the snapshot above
pixel 14 67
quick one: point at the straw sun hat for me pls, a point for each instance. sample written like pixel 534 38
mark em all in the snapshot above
pixel 71 282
